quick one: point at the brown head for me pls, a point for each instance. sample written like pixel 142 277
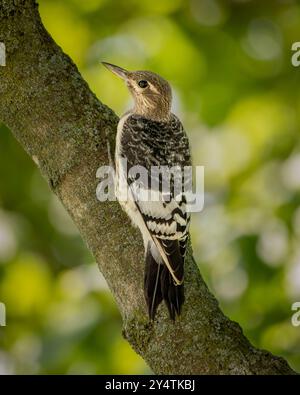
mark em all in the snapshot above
pixel 151 93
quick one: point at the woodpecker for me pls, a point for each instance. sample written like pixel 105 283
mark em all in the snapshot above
pixel 151 135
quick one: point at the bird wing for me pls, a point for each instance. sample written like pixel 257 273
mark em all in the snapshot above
pixel 149 143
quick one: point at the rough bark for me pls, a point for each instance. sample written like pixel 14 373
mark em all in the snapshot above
pixel 60 123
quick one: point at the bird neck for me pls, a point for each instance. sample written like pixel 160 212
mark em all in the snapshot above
pixel 153 107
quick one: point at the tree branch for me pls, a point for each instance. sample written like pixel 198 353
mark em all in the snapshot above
pixel 60 123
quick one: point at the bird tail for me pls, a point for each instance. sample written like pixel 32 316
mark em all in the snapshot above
pixel 159 285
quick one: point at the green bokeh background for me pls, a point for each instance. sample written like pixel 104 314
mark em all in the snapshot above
pixel 229 63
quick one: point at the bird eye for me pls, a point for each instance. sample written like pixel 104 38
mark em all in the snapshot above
pixel 143 83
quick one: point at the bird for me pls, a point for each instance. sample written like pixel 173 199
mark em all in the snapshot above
pixel 151 136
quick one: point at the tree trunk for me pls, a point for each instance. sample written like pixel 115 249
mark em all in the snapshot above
pixel 64 128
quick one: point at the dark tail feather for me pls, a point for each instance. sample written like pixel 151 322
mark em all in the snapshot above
pixel 152 287
pixel 159 285
pixel 172 294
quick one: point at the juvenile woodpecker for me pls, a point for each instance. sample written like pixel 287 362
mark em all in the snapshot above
pixel 150 135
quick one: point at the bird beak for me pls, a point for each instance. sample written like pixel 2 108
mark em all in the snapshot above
pixel 116 70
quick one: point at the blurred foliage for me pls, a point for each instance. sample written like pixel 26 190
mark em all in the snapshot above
pixel 235 89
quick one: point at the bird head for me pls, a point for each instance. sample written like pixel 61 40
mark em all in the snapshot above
pixel 151 93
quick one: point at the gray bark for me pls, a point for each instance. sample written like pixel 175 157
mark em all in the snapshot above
pixel 62 125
